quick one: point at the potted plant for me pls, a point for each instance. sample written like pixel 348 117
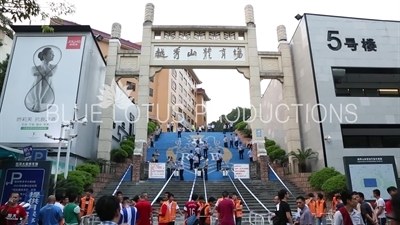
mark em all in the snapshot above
pixel 302 156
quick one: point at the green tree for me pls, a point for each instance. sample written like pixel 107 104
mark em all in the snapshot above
pixel 3 70
pixel 335 184
pixel 236 116
pixel 302 155
pixel 318 178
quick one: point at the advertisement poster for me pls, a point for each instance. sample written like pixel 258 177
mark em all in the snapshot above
pixel 242 171
pixel 41 87
pixel 24 176
pixel 156 170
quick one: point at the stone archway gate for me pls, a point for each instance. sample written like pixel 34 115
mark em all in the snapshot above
pixel 196 47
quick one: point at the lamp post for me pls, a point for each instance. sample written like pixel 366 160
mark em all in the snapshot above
pixel 68 138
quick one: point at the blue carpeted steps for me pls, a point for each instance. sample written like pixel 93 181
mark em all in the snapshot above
pixel 169 145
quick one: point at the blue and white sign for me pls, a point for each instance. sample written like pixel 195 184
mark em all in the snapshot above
pixel 35 199
pixel 21 180
pixel 39 155
pixel 27 151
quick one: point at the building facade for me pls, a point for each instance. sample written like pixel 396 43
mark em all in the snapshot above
pixel 172 92
pixel 347 82
pixel 201 108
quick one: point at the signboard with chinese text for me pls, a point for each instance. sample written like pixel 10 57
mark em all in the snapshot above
pixel 156 170
pixel 367 173
pixel 241 171
pixel 23 176
pixel 200 53
pixel 35 200
pixel 52 65
pixel 27 151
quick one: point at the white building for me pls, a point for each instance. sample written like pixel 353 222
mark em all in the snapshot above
pixel 347 81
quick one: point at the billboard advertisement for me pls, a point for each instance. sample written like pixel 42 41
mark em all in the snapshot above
pixel 41 87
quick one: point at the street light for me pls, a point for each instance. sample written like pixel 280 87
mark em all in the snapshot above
pixel 68 138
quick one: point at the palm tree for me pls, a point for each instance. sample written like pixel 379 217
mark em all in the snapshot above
pixel 302 156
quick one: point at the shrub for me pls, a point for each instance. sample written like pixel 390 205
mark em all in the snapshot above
pixel 247 133
pixel 277 154
pixel 151 127
pixel 241 125
pixel 269 142
pixel 118 155
pixel 92 169
pixel 128 149
pixel 272 148
pixel 335 184
pixel 318 178
pixel 76 182
pixel 132 138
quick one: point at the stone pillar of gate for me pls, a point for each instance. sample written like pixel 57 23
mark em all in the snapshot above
pixel 255 93
pixel 107 116
pixel 143 93
pixel 291 127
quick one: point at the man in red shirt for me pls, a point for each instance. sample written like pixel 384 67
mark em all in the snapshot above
pixel 13 212
pixel 144 210
pixel 191 207
pixel 226 208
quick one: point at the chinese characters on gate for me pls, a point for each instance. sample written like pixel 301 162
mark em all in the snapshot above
pixel 335 43
pixel 235 53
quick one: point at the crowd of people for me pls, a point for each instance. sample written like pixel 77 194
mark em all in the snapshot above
pixel 348 208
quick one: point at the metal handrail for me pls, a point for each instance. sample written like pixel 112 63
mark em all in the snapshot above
pixel 205 187
pixel 284 185
pixel 252 194
pixel 162 189
pixel 237 190
pixel 194 183
pixel 122 179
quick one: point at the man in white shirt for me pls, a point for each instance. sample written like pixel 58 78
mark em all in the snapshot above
pixel 219 160
pixel 250 155
pixel 379 207
pixel 59 199
pixel 181 168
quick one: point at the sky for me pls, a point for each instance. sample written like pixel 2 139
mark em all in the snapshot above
pixel 226 88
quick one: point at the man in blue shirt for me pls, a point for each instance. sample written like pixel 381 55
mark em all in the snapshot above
pixel 50 214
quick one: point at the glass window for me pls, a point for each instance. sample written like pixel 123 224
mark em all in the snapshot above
pixel 173 85
pixel 173 99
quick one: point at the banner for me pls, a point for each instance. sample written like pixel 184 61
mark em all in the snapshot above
pixel 50 68
pixel 35 200
pixel 242 171
pixel 156 170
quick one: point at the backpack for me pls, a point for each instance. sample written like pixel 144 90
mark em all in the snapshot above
pixel 192 220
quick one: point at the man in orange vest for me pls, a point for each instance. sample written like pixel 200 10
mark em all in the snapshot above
pixel 87 203
pixel 312 204
pixel 321 210
pixel 334 202
pixel 239 208
pixel 172 209
pixel 163 212
pixel 201 202
pixel 206 212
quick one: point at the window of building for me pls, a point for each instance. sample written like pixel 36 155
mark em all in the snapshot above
pixel 151 108
pixel 181 75
pixel 366 82
pixel 186 83
pixel 151 92
pixel 180 88
pixel 174 73
pixel 173 85
pixel 173 99
pixel 180 99
pixel 371 135
pixel 151 79
pixel 180 110
pixel 173 113
pixel 193 111
pixel 185 103
pixel 130 86
pixel 185 92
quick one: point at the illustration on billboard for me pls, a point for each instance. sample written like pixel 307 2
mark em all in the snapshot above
pixel 50 75
pixel 41 96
